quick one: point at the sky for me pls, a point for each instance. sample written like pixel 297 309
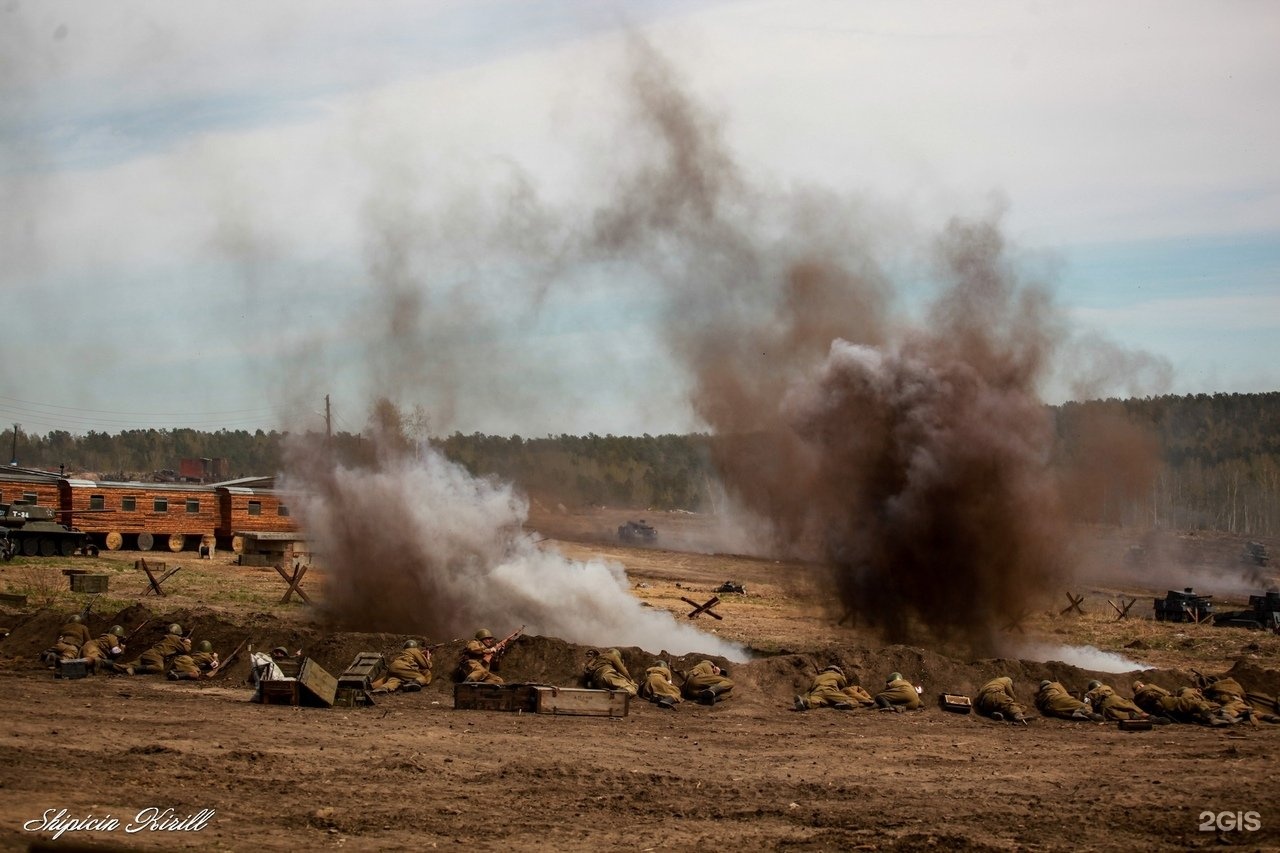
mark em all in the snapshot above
pixel 217 215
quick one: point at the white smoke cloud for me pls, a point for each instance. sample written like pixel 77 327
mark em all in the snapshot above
pixel 1085 657
pixel 420 544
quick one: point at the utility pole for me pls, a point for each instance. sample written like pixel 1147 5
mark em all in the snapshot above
pixel 13 462
pixel 328 423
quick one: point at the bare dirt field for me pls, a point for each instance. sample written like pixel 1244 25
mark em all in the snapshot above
pixel 413 773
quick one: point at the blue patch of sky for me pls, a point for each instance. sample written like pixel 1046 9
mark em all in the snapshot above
pixel 1114 275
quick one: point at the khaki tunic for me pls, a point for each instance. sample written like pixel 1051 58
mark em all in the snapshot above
pixel 1053 700
pixel 410 665
pixel 902 693
pixel 832 688
pixel 703 677
pixel 105 648
pixel 475 662
pixel 606 671
pixel 996 696
pixel 1112 706
pixel 158 657
pixel 657 685
pixel 192 666
pixel 71 637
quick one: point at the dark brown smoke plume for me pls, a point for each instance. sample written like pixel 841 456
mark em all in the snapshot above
pixel 912 459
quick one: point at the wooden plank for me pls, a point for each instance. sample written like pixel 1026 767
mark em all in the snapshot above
pixel 469 696
pixel 316 687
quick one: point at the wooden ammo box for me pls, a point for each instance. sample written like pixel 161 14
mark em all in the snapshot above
pixel 313 688
pixel 1135 725
pixel 582 702
pixel 83 581
pixel 72 668
pixel 541 699
pixel 356 680
pixel 955 704
pixel 478 696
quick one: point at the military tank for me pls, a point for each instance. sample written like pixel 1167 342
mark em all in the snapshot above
pixel 637 531
pixel 1263 613
pixel 1183 606
pixel 31 530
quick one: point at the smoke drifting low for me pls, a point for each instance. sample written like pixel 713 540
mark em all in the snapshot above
pixel 418 545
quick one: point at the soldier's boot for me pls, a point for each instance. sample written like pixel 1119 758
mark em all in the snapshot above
pixel 1218 721
pixel 1157 720
pixel 708 696
pixel 666 702
pixel 1269 718
pixel 1081 714
pixel 411 687
pixel 49 658
pixel 843 706
pixel 997 716
pixel 883 704
pixel 1021 718
pixel 800 704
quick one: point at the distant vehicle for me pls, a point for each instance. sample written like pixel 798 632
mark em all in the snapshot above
pixel 1183 606
pixel 30 530
pixel 637 531
pixel 1255 553
pixel 1263 613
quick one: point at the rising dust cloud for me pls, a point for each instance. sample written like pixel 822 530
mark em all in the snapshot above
pixel 908 456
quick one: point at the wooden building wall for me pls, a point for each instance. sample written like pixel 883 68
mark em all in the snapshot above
pixel 143 518
pixel 274 515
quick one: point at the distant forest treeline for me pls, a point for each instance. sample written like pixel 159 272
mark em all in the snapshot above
pixel 1199 461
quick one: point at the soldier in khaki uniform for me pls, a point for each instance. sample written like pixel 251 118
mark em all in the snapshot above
pixel 410 670
pixel 106 648
pixel 706 683
pixel 1053 700
pixel 71 637
pixel 477 657
pixel 1181 707
pixel 606 671
pixel 193 666
pixel 996 700
pixel 157 658
pixel 1112 706
pixel 831 688
pixel 898 694
pixel 658 688
pixel 1237 701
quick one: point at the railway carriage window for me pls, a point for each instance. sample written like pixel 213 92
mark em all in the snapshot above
pixel 97 501
pixel 30 498
pixel 129 504
pixel 282 510
pixel 255 507
pixel 193 505
pixel 161 505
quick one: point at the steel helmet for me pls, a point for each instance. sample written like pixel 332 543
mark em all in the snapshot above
pixel 410 644
pixel 1045 684
pixel 834 668
pixel 206 646
pixel 279 652
pixel 74 618
pixel 484 634
pixel 175 628
pixel 593 653
pixel 116 630
pixel 893 676
pixel 1093 684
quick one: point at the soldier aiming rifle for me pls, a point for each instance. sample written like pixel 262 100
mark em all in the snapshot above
pixel 480 654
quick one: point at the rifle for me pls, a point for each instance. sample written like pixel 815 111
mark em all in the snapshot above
pixel 135 631
pixel 84 614
pixel 501 647
pixel 222 667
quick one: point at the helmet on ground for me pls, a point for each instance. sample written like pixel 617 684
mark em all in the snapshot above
pixel 1093 684
pixel 484 634
pixel 206 646
pixel 1045 684
pixel 116 630
pixel 175 628
pixel 410 644
pixel 834 668
pixel 893 676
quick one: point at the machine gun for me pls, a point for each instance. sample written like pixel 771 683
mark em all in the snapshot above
pixel 88 607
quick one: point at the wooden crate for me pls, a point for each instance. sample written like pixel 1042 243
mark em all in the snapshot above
pixel 494 697
pixel 72 668
pixel 366 668
pixel 580 702
pixel 89 583
pixel 313 688
pixel 955 703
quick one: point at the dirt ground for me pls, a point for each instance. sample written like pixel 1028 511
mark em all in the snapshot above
pixel 413 773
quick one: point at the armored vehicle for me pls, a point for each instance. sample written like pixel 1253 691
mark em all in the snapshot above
pixel 1255 554
pixel 637 531
pixel 30 530
pixel 1263 612
pixel 1183 606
